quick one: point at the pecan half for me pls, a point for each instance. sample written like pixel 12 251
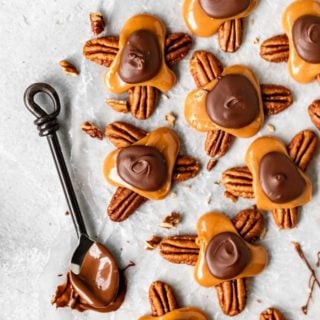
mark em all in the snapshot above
pixel 123 203
pixel 162 299
pixel 102 50
pixel 185 168
pixel 275 98
pixel 314 113
pixel 275 49
pixel 238 182
pixel 204 67
pixel 250 224
pixel 230 35
pixel 302 148
pixel 217 143
pixel 122 134
pixel 272 314
pixel 97 23
pixel 180 249
pixel 232 296
pixel 93 131
pixel 142 101
pixel 177 46
pixel 286 218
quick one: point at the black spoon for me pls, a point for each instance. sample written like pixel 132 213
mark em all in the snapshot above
pixel 48 126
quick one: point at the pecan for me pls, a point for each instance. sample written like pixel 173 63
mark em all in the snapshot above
pixel 302 148
pixel 93 131
pixel 162 299
pixel 314 113
pixel 118 105
pixel 152 243
pixel 286 218
pixel 185 168
pixel 102 50
pixel 217 143
pixel 97 23
pixel 230 35
pixel 142 101
pixel 68 68
pixel 177 46
pixel 204 67
pixel 211 164
pixel 250 224
pixel 232 296
pixel 180 249
pixel 275 98
pixel 275 49
pixel 238 181
pixel 272 314
pixel 171 119
pixel 170 221
pixel 123 203
pixel 122 134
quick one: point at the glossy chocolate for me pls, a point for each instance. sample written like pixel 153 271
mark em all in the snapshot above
pixel 280 179
pixel 227 255
pixel 306 38
pixel 221 9
pixel 142 167
pixel 141 57
pixel 233 102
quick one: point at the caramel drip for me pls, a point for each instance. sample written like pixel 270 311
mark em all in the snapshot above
pixel 187 313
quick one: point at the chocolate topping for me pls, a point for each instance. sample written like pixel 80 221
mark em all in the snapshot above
pixel 141 57
pixel 306 38
pixel 220 9
pixel 227 255
pixel 233 102
pixel 142 167
pixel 279 178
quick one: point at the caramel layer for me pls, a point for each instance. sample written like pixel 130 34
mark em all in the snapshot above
pixel 195 106
pixel 164 80
pixel 301 70
pixel 167 142
pixel 210 225
pixel 200 24
pixel 188 313
pixel 257 150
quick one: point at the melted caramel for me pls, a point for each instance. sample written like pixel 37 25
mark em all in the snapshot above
pixel 257 150
pixel 200 24
pixel 167 142
pixel 188 313
pixel 164 80
pixel 195 106
pixel 210 225
pixel 301 70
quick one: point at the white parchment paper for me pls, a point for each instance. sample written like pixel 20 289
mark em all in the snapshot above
pixel 284 282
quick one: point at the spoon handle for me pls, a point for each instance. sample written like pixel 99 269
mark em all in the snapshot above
pixel 47 125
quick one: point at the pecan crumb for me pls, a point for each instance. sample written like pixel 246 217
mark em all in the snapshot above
pixel 93 131
pixel 68 68
pixel 256 40
pixel 97 23
pixel 209 198
pixel 118 105
pixel 211 164
pixel 171 119
pixel 271 127
pixel 152 243
pixel 173 195
pixel 171 221
pixel 230 196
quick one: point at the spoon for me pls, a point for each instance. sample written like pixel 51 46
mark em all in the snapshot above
pixel 48 126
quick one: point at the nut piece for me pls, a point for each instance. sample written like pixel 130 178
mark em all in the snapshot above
pixel 171 119
pixel 211 164
pixel 217 143
pixel 123 203
pixel 142 101
pixel 232 296
pixel 122 134
pixel 238 182
pixel 230 35
pixel 250 224
pixel 275 98
pixel 171 221
pixel 68 68
pixel 286 218
pixel 275 49
pixel 97 23
pixel 272 314
pixel 102 50
pixel 185 168
pixel 180 249
pixel 302 148
pixel 93 131
pixel 204 67
pixel 152 243
pixel 162 299
pixel 118 105
pixel 177 46
pixel 314 113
